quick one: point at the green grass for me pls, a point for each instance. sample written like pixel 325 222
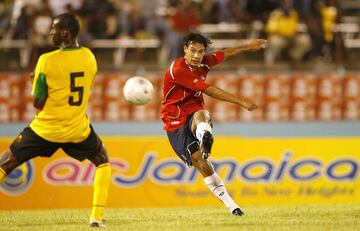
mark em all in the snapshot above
pixel 305 218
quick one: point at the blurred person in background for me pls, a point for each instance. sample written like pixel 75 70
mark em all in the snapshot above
pixel 99 16
pixel 23 25
pixel 133 22
pixel 282 29
pixel 156 13
pixel 331 15
pixel 186 121
pixel 304 8
pixel 316 29
pixel 5 15
pixel 260 9
pixel 40 26
pixel 238 10
pixel 61 6
pixel 223 10
pixel 157 18
pixel 20 16
pixel 209 11
pixel 61 89
pixel 327 43
pixel 184 20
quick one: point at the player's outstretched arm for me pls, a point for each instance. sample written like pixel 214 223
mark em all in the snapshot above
pixel 251 45
pixel 220 94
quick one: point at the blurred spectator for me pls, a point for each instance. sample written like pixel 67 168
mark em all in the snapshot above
pixel 156 14
pixel 100 14
pixel 321 21
pixel 304 8
pixel 133 22
pixel 17 18
pixel 23 23
pixel 334 43
pixel 282 28
pixel 315 27
pixel 330 16
pixel 6 7
pixel 137 23
pixel 260 9
pixel 61 6
pixel 41 24
pixel 209 11
pixel 170 20
pixel 184 20
pixel 238 10
pixel 223 11
pixel 240 13
pixel 40 28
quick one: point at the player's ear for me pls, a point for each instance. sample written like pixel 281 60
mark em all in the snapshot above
pixel 65 34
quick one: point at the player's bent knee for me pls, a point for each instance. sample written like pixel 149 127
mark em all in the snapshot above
pixel 8 162
pixel 202 115
pixel 100 158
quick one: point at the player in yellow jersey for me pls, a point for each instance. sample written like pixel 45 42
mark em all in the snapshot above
pixel 61 89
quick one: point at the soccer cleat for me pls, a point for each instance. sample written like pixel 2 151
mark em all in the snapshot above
pixel 237 212
pixel 97 224
pixel 206 144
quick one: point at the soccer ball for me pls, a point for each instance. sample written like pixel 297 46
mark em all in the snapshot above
pixel 138 90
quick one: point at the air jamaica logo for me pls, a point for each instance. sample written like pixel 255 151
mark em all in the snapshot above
pixel 19 180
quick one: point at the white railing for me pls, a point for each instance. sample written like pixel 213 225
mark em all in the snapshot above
pixel 121 45
pixel 24 47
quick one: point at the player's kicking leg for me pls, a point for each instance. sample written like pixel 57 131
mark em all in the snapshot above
pixel 101 186
pixel 8 162
pixel 215 184
pixel 202 128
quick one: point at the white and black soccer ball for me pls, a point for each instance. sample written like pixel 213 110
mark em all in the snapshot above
pixel 138 90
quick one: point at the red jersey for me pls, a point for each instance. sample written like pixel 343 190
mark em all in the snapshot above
pixel 183 87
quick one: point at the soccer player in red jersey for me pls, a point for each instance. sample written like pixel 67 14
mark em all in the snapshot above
pixel 188 124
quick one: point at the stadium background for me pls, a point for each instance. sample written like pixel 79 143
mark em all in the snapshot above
pixel 299 147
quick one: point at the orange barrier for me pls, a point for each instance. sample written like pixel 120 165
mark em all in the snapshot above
pixel 281 97
pixel 302 97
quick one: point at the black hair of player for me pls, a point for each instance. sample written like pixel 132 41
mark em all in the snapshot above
pixel 69 22
pixel 198 38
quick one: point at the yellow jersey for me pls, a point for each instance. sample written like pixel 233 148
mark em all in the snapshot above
pixel 64 77
pixel 281 24
pixel 329 14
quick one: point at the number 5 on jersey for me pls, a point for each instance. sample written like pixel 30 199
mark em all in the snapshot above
pixel 76 89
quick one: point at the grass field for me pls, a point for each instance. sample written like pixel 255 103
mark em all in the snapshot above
pixel 330 217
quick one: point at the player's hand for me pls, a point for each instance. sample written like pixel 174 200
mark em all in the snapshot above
pixel 250 106
pixel 256 44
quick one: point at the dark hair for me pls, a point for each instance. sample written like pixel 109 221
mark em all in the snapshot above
pixel 198 38
pixel 69 22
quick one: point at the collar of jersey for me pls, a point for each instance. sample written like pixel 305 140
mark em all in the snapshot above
pixel 70 49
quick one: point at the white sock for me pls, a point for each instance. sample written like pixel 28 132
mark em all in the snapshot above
pixel 217 187
pixel 201 128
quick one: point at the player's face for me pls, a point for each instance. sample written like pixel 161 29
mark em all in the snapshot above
pixel 194 53
pixel 56 34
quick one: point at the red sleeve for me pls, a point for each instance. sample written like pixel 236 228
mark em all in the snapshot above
pixel 214 58
pixel 185 78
